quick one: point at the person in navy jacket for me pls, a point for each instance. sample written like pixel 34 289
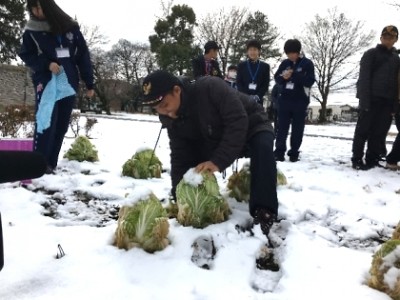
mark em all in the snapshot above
pixel 253 74
pixel 52 42
pixel 295 75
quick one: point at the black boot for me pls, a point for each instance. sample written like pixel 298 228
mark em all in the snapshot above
pixel 265 218
pixel 358 164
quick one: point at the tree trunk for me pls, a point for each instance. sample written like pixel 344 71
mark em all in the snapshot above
pixel 322 115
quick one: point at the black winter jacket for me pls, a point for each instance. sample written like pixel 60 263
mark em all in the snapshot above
pixel 214 123
pixel 378 78
pixel 199 67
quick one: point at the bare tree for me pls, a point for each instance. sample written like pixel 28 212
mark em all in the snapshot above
pixel 224 28
pixel 104 71
pixel 165 8
pixel 331 42
pixel 93 36
pixel 395 4
pixel 134 60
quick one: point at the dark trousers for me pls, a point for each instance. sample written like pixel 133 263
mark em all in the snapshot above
pixel 263 173
pixel 394 155
pixel 272 112
pixel 294 113
pixel 50 141
pixel 372 127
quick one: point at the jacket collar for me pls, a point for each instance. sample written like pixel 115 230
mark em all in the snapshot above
pixel 383 48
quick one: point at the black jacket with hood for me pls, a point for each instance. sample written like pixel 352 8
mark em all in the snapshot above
pixel 378 78
pixel 214 123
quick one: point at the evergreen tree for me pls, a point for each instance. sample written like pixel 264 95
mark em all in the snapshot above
pixel 12 22
pixel 257 26
pixel 173 41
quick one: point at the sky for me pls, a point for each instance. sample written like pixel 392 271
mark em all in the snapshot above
pixel 332 218
pixel 134 21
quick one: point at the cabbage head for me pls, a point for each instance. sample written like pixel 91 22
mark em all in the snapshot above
pixel 239 183
pixel 280 178
pixel 82 150
pixel 144 225
pixel 385 269
pixel 144 164
pixel 199 200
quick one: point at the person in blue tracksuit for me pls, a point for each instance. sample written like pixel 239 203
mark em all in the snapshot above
pixel 52 43
pixel 295 75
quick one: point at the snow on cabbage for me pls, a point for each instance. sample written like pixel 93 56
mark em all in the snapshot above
pixel 143 224
pixel 385 269
pixel 199 200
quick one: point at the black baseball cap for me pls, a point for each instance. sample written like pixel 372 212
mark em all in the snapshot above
pixel 390 30
pixel 156 85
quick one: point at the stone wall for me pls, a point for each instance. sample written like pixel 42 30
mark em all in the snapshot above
pixel 15 85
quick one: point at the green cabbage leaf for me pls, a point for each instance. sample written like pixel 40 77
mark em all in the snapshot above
pixel 143 164
pixel 82 150
pixel 143 224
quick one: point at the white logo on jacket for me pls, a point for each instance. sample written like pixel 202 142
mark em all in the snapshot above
pixel 69 36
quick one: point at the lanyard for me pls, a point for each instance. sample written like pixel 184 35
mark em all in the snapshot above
pixel 253 76
pixel 298 66
pixel 59 40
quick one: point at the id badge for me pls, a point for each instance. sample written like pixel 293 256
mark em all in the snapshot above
pixel 290 85
pixel 62 52
pixel 252 86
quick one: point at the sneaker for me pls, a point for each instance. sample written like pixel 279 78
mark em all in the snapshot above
pixel 265 218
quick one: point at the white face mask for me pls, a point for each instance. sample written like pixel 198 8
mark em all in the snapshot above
pixel 232 74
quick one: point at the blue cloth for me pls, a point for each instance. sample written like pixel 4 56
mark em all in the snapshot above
pixel 56 89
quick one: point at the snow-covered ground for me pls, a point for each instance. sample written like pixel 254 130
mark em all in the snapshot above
pixel 334 218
